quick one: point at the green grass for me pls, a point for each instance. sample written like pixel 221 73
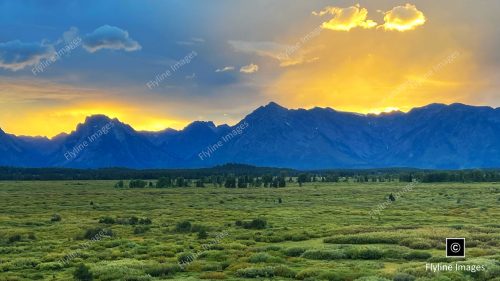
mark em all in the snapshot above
pixel 318 232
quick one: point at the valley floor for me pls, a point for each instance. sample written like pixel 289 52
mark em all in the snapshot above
pixel 315 232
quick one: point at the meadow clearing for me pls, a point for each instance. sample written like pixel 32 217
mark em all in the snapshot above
pixel 320 231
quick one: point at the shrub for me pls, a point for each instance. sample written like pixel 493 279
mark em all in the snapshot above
pixel 262 257
pixel 323 255
pixel 307 274
pixel 253 272
pixel 55 217
pixel 15 238
pixel 141 229
pixel 183 226
pixel 198 228
pixel 107 220
pixel 97 233
pixel 119 184
pixel 394 253
pixel 365 253
pixel 403 277
pixel 257 272
pixel 417 255
pixel 133 220
pixel 83 273
pixel 185 257
pixel 145 221
pixel 296 237
pixel 163 270
pixel 214 255
pixel 202 234
pixel 284 271
pixel 420 244
pixel 294 252
pixel 255 224
pixel 361 239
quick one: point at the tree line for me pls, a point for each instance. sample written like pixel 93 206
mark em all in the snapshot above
pixel 216 181
pixel 239 175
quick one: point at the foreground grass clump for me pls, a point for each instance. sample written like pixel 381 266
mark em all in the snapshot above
pixel 369 238
pixel 163 270
pixel 417 255
pixel 324 255
pixel 355 253
pixel 365 253
pixel 320 231
pixel 259 272
pixel 294 252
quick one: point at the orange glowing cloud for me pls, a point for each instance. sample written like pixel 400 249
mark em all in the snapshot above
pixel 346 19
pixel 403 18
pixel 399 18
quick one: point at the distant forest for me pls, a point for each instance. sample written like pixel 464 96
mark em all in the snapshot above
pixel 223 172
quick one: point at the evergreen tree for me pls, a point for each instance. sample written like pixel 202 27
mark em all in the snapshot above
pixel 82 273
pixel 230 182
pixel 164 182
pixel 392 198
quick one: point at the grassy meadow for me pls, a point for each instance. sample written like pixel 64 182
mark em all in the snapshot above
pixel 320 231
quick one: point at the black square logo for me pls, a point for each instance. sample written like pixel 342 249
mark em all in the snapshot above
pixel 455 247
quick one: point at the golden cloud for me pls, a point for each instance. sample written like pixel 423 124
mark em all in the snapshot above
pixel 251 68
pixel 403 18
pixel 346 19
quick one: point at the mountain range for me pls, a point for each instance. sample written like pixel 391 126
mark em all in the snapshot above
pixel 436 136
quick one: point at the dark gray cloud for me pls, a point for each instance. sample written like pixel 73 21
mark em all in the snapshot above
pixel 109 37
pixel 16 55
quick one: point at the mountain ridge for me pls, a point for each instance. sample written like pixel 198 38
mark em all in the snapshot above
pixel 272 104
pixel 433 136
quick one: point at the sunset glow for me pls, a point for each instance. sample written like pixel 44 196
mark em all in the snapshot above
pixel 367 58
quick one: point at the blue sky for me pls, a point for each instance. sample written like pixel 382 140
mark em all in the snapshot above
pixel 239 63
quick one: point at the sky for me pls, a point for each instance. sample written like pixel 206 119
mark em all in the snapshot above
pixel 164 64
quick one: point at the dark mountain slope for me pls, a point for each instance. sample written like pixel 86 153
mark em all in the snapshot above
pixel 434 136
